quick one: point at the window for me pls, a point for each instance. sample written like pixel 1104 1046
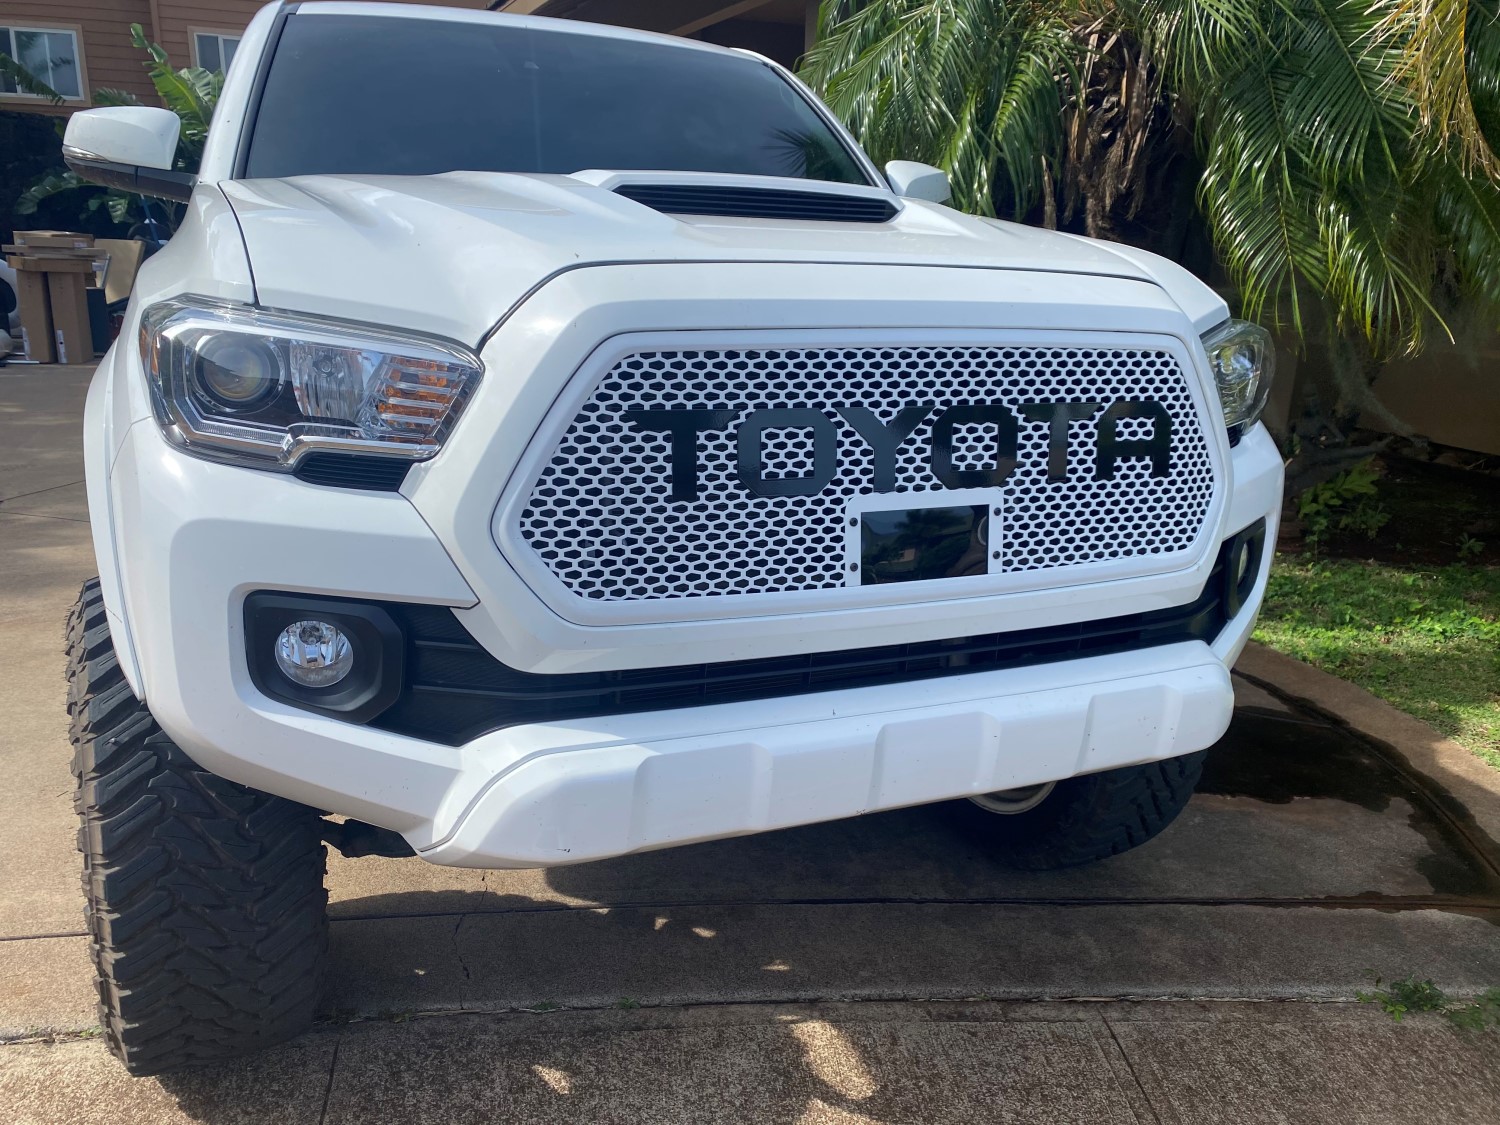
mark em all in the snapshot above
pixel 215 50
pixel 48 53
pixel 415 97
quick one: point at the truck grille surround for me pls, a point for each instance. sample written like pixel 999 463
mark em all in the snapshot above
pixel 602 518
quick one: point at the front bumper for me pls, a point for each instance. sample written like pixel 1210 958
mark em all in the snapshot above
pixel 665 779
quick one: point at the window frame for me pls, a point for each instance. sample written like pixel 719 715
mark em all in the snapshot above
pixel 220 34
pixel 73 31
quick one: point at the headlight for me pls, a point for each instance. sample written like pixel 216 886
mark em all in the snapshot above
pixel 257 388
pixel 1243 361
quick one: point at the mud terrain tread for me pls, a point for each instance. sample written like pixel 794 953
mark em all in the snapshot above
pixel 1089 818
pixel 205 899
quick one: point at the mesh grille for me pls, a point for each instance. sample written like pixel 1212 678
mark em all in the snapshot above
pixel 602 518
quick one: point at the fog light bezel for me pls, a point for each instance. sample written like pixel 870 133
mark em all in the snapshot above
pixel 372 685
pixel 1249 543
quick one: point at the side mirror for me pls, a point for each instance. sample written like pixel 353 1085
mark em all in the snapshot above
pixel 130 147
pixel 912 180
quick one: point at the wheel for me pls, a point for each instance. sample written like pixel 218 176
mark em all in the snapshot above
pixel 205 900
pixel 1081 819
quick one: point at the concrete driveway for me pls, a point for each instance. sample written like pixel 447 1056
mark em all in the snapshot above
pixel 796 975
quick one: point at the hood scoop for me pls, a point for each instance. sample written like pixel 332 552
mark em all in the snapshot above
pixel 758 203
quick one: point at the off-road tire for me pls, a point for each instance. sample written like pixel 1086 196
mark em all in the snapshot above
pixel 1087 818
pixel 205 899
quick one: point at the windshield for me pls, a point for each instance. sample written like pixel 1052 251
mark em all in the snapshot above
pixel 414 97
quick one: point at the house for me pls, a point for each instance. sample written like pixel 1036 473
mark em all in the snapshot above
pixel 779 29
pixel 79 46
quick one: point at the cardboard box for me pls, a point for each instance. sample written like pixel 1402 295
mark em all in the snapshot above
pixel 50 251
pixel 35 264
pixel 36 316
pixel 53 290
pixel 70 317
pixel 66 239
pixel 125 257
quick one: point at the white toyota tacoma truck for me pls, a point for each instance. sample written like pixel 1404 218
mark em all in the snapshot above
pixel 543 442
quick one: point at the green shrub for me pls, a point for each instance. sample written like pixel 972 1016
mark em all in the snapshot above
pixel 1348 503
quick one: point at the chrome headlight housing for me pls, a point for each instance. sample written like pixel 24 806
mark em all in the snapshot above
pixel 1243 361
pixel 259 388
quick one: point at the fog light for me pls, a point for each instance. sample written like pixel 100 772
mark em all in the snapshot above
pixel 314 654
pixel 1241 562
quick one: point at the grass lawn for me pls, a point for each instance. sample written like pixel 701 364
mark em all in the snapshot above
pixel 1424 640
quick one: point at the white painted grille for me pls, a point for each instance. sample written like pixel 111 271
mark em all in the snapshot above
pixel 601 516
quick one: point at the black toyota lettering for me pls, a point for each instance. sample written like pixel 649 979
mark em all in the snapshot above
pixel 825 439
pixel 977 413
pixel 885 438
pixel 1112 448
pixel 1057 415
pixel 684 426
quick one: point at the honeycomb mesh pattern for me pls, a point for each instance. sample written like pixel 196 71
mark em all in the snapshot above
pixel 602 519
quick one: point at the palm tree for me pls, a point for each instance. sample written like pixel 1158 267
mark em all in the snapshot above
pixel 1338 152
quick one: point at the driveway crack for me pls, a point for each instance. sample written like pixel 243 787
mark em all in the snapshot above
pixel 333 1067
pixel 39 491
pixel 458 952
pixel 39 516
pixel 1130 1066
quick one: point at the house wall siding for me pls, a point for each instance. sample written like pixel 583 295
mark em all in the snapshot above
pixel 109 61
pixel 179 21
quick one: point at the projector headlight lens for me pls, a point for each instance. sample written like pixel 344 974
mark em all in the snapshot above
pixel 234 374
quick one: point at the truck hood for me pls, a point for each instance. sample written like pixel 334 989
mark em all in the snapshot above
pixel 452 254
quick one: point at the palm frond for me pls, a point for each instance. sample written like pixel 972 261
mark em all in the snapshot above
pixel 25 81
pixel 1353 117
pixel 108 95
pixel 48 186
pixel 189 92
pixel 1483 71
pixel 1468 216
pixel 1437 64
pixel 1199 43
pixel 969 85
pixel 1258 196
pixel 1381 265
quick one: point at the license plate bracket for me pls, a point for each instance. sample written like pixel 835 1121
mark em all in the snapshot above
pixel 917 537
